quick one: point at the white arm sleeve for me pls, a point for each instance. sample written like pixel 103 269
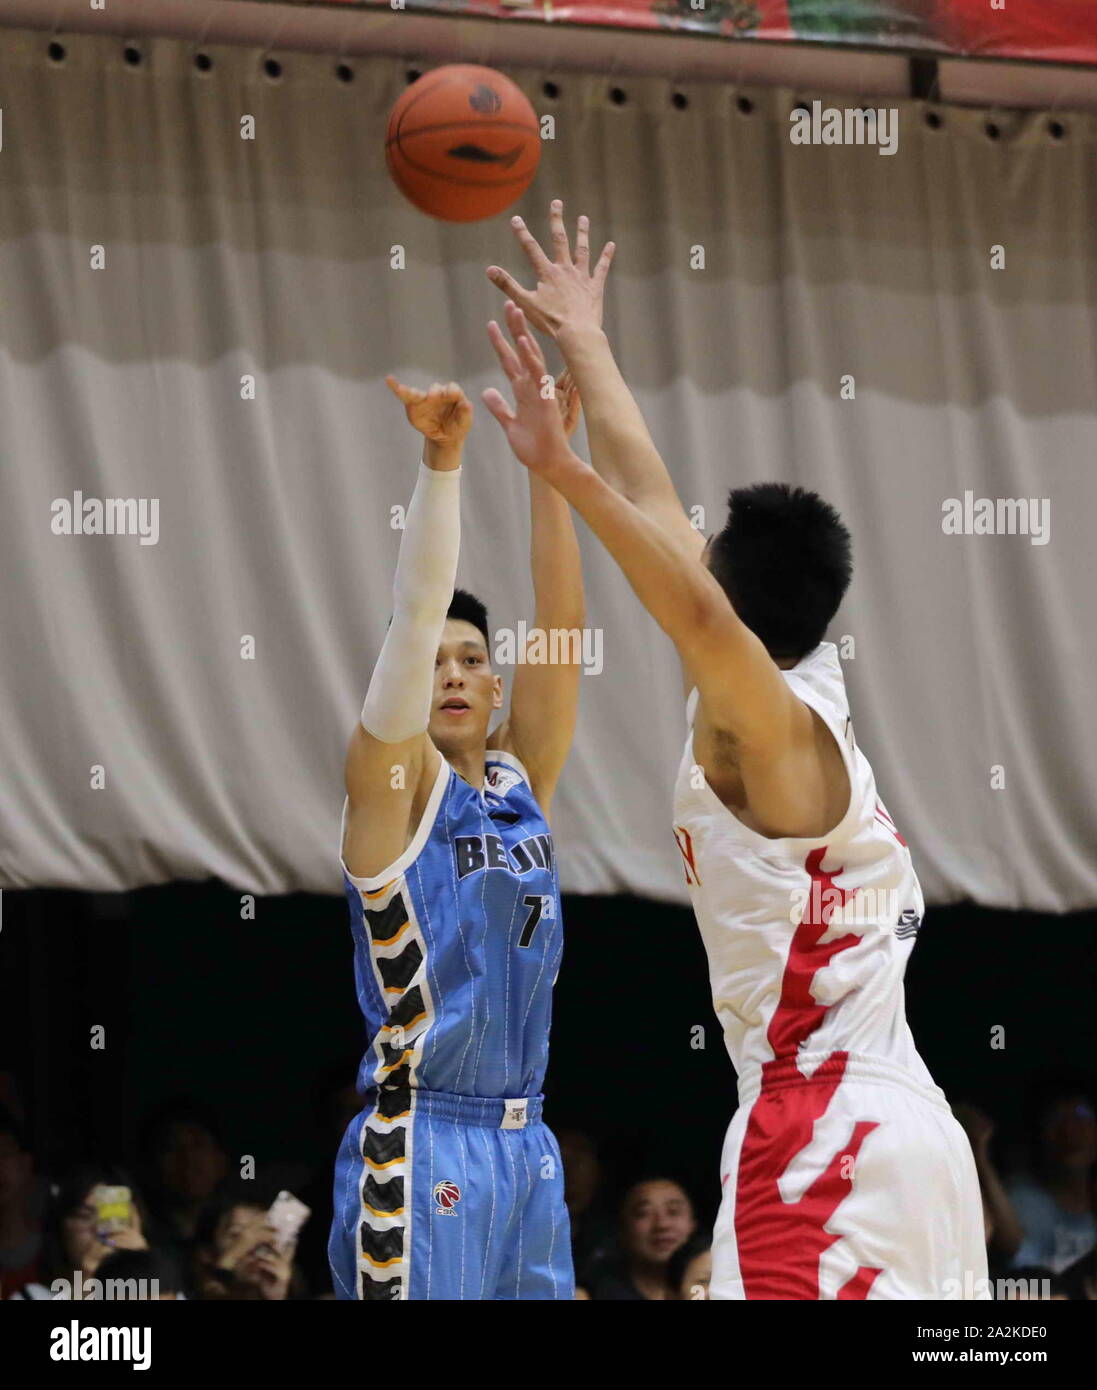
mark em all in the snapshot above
pixel 401 689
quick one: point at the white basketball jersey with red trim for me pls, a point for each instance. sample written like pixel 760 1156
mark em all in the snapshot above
pixel 807 939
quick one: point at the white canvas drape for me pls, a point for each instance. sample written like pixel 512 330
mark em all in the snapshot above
pixel 754 279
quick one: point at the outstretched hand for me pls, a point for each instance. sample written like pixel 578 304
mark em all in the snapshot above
pixel 568 293
pixel 545 411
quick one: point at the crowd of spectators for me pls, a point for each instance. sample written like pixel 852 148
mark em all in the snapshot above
pixel 194 1230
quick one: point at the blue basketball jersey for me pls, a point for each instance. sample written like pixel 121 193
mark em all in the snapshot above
pixel 458 943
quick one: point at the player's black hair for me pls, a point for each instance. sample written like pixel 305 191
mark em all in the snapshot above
pixel 784 561
pixel 467 608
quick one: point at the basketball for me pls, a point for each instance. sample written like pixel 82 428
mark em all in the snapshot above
pixel 463 143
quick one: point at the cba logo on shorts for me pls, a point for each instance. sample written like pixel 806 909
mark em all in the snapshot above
pixel 446 1196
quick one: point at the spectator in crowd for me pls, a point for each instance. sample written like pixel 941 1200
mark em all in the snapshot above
pixel 1054 1202
pixel 186 1165
pixel 76 1241
pixel 141 1270
pixel 1001 1224
pixel 592 1227
pixel 20 1226
pixel 236 1254
pixel 657 1220
pixel 691 1270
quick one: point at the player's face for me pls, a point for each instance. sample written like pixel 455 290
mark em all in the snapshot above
pixel 466 691
pixel 658 1221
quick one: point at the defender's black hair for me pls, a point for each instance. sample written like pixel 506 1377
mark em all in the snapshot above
pixel 784 561
pixel 467 608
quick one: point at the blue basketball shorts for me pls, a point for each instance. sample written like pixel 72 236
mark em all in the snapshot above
pixel 441 1196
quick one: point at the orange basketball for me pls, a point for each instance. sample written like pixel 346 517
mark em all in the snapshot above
pixel 463 143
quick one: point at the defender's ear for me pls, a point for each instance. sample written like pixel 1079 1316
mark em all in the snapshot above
pixel 497 693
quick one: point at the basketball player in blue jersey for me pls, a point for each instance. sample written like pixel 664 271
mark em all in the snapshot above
pixel 448 1184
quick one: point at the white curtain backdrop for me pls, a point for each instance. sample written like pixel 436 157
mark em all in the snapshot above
pixel 223 257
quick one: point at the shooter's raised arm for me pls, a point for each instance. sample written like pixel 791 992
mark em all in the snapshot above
pixel 392 731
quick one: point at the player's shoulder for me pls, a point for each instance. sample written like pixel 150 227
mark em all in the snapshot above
pixel 503 771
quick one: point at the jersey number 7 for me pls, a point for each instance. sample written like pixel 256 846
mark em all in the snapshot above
pixel 539 905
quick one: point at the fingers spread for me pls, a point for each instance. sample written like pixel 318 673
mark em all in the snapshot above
pixel 531 355
pixel 497 405
pixel 530 245
pixel 508 359
pixel 506 282
pixel 559 232
pixel 601 270
pixel 528 348
pixel 582 244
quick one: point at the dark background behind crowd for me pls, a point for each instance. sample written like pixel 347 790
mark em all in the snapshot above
pixel 170 1041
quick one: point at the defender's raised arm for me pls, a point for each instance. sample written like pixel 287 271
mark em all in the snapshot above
pixel 567 304
pixel 545 695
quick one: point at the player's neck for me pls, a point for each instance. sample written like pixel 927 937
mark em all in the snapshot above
pixel 470 765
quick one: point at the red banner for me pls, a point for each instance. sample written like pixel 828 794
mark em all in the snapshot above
pixel 1055 31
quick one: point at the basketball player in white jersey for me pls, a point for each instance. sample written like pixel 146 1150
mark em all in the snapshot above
pixel 845 1175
